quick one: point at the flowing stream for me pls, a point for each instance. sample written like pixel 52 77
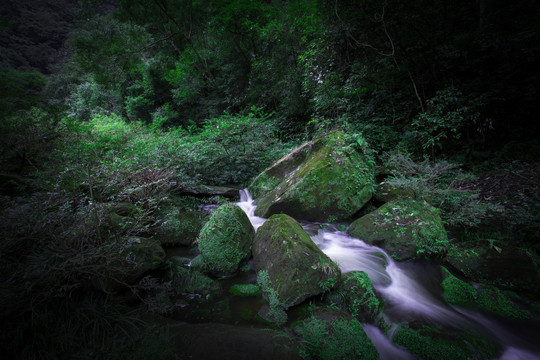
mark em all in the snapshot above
pixel 411 291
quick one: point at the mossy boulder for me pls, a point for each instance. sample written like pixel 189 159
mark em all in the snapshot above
pixel 225 240
pixel 297 269
pixel 134 257
pixel 430 343
pixel 387 191
pixel 180 227
pixel 406 229
pixel 331 335
pixel 326 180
pixel 189 281
pixel 245 290
pixel 487 298
pixel 355 294
pixel 494 263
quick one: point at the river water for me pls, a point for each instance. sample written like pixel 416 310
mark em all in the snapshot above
pixel 411 291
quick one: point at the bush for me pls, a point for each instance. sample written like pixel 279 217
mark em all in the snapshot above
pixel 438 183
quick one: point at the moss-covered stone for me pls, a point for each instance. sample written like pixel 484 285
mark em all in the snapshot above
pixel 355 294
pixel 184 280
pixel 385 192
pixel 497 264
pixel 225 240
pixel 335 337
pixel 245 290
pixel 486 298
pixel 180 227
pixel 325 180
pixel 429 343
pixel 406 229
pixel 297 269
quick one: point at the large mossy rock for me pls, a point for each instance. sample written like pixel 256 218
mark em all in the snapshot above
pixel 429 343
pixel 180 227
pixel 331 334
pixel 494 263
pixel 324 180
pixel 387 191
pixel 406 229
pixel 297 269
pixel 487 298
pixel 355 294
pixel 225 240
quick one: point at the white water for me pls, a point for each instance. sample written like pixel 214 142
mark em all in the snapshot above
pixel 406 295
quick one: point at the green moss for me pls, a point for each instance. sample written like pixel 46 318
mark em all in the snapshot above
pixel 333 182
pixel 180 227
pixel 456 291
pixel 297 267
pixel 433 344
pixel 494 300
pixel 405 228
pixel 245 290
pixel 184 280
pixel 225 240
pixel 262 184
pixel 338 339
pixel 278 306
pixel 355 295
pixel 488 298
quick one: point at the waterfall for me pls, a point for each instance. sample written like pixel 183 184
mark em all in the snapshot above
pixel 406 296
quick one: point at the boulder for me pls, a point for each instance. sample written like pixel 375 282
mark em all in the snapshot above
pixel 355 294
pixel 331 334
pixel 487 298
pixel 211 191
pixel 435 343
pixel 325 180
pixel 180 227
pixel 387 191
pixel 406 229
pixel 495 263
pixel 225 240
pixel 296 268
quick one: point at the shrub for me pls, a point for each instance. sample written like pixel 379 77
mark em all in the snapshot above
pixel 438 183
pixel 338 339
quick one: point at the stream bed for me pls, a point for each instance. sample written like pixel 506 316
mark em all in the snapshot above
pixel 411 292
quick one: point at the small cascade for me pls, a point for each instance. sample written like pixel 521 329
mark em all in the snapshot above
pixel 406 296
pixel 246 204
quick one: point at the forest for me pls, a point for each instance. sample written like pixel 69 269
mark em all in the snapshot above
pixel 409 129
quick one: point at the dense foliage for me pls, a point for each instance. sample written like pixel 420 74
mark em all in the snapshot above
pixel 109 109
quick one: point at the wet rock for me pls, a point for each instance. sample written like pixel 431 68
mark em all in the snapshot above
pixel 225 240
pixel 210 191
pixel 496 264
pixel 484 297
pixel 434 343
pixel 355 294
pixel 331 334
pixel 297 269
pixel 406 229
pixel 385 192
pixel 180 227
pixel 245 290
pixel 326 180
